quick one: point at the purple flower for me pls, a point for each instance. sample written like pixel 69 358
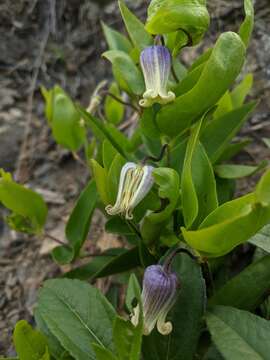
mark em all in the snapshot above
pixel 156 66
pixel 159 293
pixel 135 183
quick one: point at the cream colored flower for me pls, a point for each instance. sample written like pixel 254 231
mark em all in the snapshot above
pixel 135 183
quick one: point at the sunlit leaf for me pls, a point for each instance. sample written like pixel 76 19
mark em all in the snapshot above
pixel 30 344
pixel 64 119
pixel 246 27
pixel 171 15
pixel 219 72
pixel 114 110
pixel 28 211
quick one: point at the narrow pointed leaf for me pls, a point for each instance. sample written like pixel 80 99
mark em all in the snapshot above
pixel 115 40
pixel 246 27
pixel 135 27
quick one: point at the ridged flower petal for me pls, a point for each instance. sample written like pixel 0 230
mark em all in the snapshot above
pixel 156 66
pixel 134 184
pixel 158 296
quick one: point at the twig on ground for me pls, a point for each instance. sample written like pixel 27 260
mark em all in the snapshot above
pixel 21 173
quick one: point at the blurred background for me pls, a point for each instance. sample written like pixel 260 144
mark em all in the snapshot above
pixel 47 42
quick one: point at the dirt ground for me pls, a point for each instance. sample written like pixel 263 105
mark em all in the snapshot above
pixel 44 42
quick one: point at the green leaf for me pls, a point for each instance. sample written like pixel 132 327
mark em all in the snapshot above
pixel 224 105
pixel 177 155
pixel 115 40
pixel 262 239
pixel 102 353
pixel 111 262
pixel 78 225
pixel 201 59
pixel 117 225
pixel 118 136
pixel 239 334
pixel 247 289
pixel 79 221
pixel 135 28
pixel 225 189
pixel 77 314
pixel 127 339
pixel 148 125
pixel 133 292
pixel 219 132
pixel 114 110
pixel 186 316
pixel 189 81
pixel 99 130
pixel 241 91
pixel 30 344
pixel 232 171
pixel 219 72
pixel 114 177
pixel 54 346
pixel 165 16
pixel 64 119
pixel 100 176
pixel 230 224
pixel 262 192
pixel 168 181
pixel 108 154
pixel 246 27
pixel 267 142
pixel 198 185
pixel 28 209
pixel 233 149
pixel 128 76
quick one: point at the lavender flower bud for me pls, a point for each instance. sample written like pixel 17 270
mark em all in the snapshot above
pixel 159 293
pixel 156 66
pixel 135 183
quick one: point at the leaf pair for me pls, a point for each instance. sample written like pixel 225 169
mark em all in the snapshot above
pixel 233 222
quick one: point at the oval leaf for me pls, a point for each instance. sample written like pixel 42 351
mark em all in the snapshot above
pixel 78 315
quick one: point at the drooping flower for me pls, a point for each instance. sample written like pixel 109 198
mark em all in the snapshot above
pixel 156 66
pixel 159 293
pixel 135 183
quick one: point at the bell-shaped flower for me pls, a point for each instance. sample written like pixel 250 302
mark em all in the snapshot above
pixel 156 66
pixel 160 287
pixel 135 183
